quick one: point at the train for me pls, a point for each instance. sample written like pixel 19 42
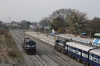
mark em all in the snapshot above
pixel 29 46
pixel 88 55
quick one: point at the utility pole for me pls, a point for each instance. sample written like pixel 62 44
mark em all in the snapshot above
pixel 9 23
pixel 6 26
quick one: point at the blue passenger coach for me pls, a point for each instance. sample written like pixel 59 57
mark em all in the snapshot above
pixel 83 53
pixel 79 51
pixel 95 57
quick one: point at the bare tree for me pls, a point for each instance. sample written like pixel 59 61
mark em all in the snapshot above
pixel 45 22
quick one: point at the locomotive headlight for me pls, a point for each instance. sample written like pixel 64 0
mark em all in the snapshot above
pixel 34 46
pixel 29 46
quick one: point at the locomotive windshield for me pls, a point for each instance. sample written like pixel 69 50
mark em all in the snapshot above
pixel 31 43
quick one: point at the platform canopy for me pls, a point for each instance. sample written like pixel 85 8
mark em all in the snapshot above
pixel 97 34
pixel 96 41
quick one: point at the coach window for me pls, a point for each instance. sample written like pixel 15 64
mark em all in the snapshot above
pixel 76 52
pixel 90 57
pixel 85 55
pixel 65 47
pixel 68 48
pixel 94 59
pixel 98 61
pixel 82 54
pixel 71 49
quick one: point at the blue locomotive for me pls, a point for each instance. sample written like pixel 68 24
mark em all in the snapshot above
pixel 90 56
pixel 29 46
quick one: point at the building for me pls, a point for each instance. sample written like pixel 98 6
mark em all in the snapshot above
pixel 14 23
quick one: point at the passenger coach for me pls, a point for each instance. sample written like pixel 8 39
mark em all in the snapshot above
pixel 86 54
pixel 90 56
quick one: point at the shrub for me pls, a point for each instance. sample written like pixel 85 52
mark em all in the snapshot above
pixel 2 32
pixel 11 54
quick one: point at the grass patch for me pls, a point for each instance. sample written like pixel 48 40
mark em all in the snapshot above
pixel 13 52
pixel 8 46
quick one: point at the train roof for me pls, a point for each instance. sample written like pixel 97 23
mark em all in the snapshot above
pixel 84 47
pixel 74 39
pixel 80 41
pixel 27 40
pixel 95 51
pixel 80 46
pixel 64 37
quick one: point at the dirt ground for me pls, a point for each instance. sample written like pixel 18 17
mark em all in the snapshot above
pixel 9 53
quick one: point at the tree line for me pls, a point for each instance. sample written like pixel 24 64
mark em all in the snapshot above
pixel 71 21
pixel 65 21
pixel 17 25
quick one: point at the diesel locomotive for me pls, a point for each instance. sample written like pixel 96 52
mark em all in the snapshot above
pixel 29 46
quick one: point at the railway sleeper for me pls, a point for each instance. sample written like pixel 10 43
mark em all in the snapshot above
pixel 85 63
pixel 88 64
pixel 74 57
pixel 69 55
pixel 78 59
pixel 55 48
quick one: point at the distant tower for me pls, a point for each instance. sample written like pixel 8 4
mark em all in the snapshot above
pixel 9 19
pixel 6 20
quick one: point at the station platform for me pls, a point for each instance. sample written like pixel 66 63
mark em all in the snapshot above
pixel 43 37
pixel 51 39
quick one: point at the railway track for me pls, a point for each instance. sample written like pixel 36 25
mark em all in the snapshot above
pixel 31 60
pixel 32 57
pixel 43 57
pixel 50 55
pixel 47 59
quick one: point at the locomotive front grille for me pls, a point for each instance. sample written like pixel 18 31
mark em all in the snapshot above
pixel 30 51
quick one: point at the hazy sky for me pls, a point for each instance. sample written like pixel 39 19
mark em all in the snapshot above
pixel 35 10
